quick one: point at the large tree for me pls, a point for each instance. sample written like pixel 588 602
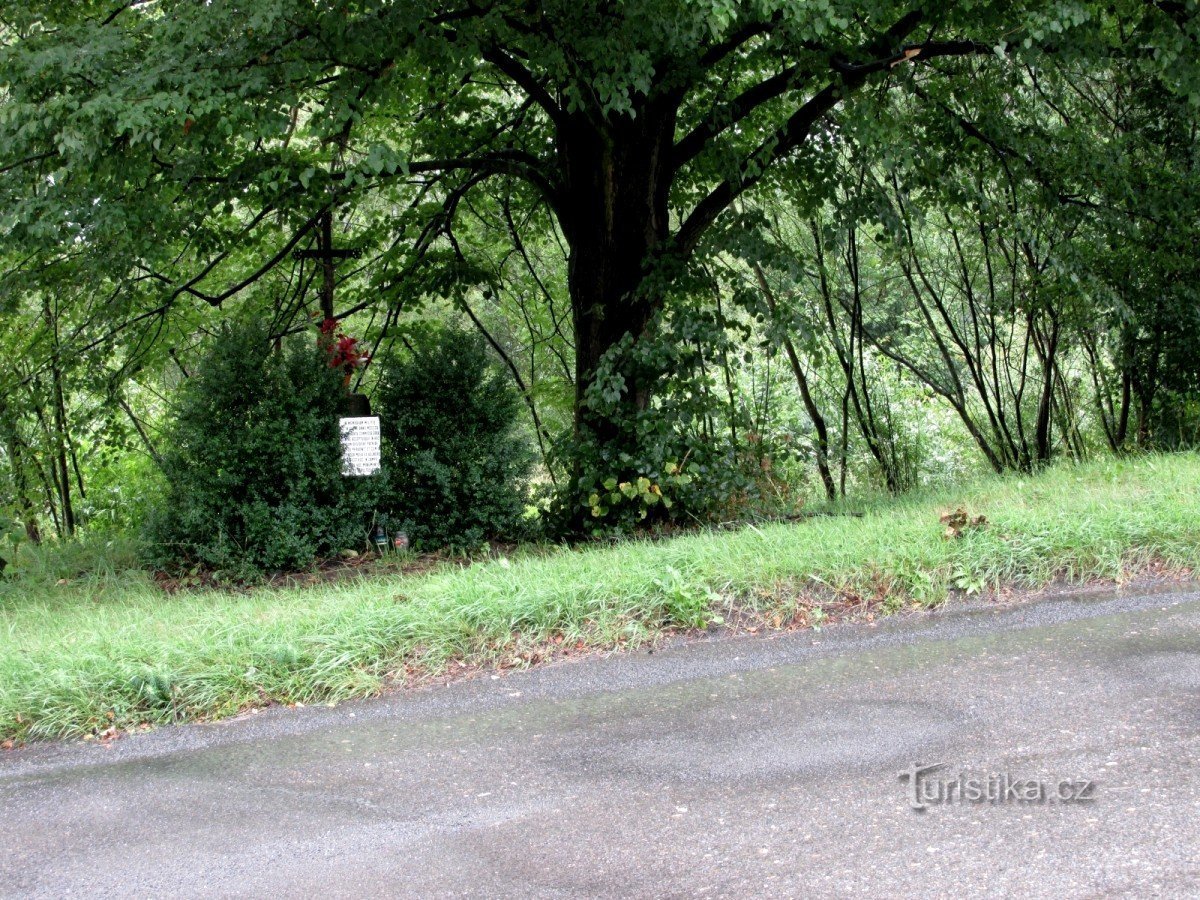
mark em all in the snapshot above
pixel 193 145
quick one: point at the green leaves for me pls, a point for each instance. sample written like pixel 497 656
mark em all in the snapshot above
pixel 173 153
pixel 253 462
pixel 457 465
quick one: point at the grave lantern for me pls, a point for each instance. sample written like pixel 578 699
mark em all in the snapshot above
pixel 380 539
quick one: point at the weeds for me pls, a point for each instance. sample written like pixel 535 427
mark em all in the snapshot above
pixel 107 649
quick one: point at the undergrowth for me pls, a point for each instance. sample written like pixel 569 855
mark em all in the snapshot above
pixel 109 650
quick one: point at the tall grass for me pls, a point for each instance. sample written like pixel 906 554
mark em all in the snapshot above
pixel 112 650
pixel 100 559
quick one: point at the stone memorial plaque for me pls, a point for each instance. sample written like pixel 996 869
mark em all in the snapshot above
pixel 360 445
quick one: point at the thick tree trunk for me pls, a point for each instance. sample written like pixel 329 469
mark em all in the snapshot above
pixel 617 178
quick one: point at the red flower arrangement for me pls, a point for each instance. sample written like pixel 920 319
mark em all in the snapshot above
pixel 344 351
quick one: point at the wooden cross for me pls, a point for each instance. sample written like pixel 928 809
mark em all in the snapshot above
pixel 326 253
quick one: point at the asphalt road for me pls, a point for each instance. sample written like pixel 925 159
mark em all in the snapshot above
pixel 731 767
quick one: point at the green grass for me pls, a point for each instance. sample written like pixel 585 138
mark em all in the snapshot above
pixel 110 649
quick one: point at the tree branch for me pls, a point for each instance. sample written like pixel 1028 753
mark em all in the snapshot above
pixel 38 157
pixel 783 142
pixel 189 287
pixel 692 144
pixel 928 50
pixel 722 49
pixel 799 126
pixel 526 81
pixel 504 161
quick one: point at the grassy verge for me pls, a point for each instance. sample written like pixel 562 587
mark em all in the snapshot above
pixel 115 652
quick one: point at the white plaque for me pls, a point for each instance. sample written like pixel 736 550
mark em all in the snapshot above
pixel 360 445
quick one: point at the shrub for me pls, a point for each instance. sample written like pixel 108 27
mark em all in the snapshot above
pixel 253 462
pixel 457 464
pixel 658 464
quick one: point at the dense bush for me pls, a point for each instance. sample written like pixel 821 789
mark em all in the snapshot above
pixel 253 462
pixel 458 466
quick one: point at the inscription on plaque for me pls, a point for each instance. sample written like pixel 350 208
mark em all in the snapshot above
pixel 360 445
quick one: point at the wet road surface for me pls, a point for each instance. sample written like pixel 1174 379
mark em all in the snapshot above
pixel 751 766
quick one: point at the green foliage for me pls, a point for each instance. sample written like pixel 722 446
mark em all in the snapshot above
pixel 98 560
pixel 457 464
pixel 662 461
pixel 12 535
pixel 75 659
pixel 120 492
pixel 686 601
pixel 157 159
pixel 635 500
pixel 253 462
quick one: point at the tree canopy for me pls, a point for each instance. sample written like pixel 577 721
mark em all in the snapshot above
pixel 163 158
